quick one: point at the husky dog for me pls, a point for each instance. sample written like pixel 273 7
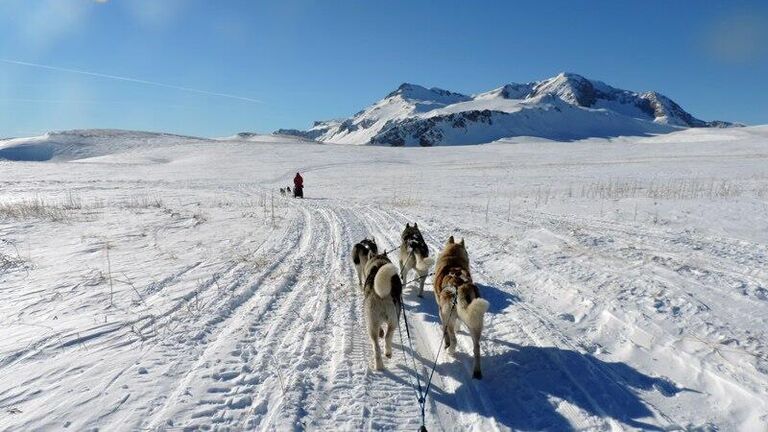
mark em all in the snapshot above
pixel 287 189
pixel 453 283
pixel 282 191
pixel 360 256
pixel 382 291
pixel 414 255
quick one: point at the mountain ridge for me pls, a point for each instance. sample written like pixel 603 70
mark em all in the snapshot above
pixel 564 107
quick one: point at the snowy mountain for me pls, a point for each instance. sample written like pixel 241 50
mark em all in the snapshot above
pixel 565 107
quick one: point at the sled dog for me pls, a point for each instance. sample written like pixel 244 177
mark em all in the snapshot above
pixel 382 302
pixel 414 255
pixel 282 191
pixel 453 283
pixel 360 256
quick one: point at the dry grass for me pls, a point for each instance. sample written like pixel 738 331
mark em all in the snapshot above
pixel 141 202
pixel 669 189
pixel 35 208
pixel 675 189
pixel 10 258
pixel 61 209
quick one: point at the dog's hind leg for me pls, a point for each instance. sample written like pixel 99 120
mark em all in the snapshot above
pixel 448 317
pixel 446 336
pixel 359 274
pixel 388 339
pixel 449 325
pixel 452 334
pixel 476 372
pixel 373 332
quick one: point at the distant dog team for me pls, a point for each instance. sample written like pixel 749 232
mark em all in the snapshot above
pixel 458 298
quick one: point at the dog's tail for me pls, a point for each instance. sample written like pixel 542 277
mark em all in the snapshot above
pixel 423 263
pixel 386 280
pixel 472 313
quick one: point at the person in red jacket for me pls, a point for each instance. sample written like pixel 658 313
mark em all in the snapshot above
pixel 298 186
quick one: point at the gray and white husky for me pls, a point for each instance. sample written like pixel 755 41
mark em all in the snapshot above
pixel 382 302
pixel 414 255
pixel 360 256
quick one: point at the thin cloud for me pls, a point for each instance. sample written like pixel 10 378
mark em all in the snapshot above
pixel 738 38
pixel 131 80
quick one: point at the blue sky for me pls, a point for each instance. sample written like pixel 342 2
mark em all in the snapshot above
pixel 300 60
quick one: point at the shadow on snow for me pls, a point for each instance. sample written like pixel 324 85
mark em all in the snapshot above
pixel 524 383
pixel 499 300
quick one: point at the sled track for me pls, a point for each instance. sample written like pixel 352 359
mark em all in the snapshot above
pixel 291 354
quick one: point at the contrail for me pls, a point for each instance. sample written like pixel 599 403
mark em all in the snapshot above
pixel 128 79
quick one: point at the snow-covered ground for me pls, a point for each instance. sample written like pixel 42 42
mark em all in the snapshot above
pixel 154 282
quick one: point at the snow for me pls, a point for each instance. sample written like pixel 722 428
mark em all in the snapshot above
pixel 157 282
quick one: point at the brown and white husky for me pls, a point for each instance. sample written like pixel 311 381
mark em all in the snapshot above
pixel 453 283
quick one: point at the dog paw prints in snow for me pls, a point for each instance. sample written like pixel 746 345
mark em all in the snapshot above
pixel 240 402
pixel 226 375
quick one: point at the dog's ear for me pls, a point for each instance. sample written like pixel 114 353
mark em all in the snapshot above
pixel 415 224
pixel 407 225
pixel 373 239
pixel 450 240
pixel 462 241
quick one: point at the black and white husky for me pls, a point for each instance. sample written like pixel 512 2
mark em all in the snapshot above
pixel 360 256
pixel 414 255
pixel 382 302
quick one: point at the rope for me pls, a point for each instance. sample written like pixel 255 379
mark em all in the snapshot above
pixel 386 252
pixel 440 347
pixel 422 393
pixel 405 362
pixel 419 277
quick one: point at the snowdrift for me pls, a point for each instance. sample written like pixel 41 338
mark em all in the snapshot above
pixel 83 144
